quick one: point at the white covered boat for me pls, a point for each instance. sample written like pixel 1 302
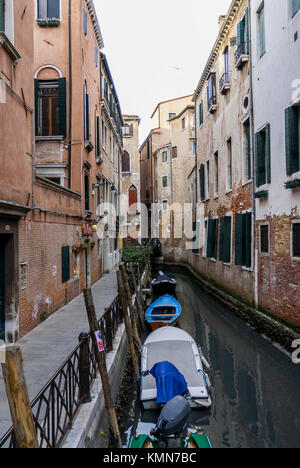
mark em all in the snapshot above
pixel 178 348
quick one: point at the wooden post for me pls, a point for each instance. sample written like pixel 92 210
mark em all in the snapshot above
pixel 128 325
pixel 131 309
pixel 138 299
pixel 101 361
pixel 84 369
pixel 18 399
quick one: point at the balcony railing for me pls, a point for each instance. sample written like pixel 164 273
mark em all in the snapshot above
pixel 225 83
pixel 242 54
pixel 212 103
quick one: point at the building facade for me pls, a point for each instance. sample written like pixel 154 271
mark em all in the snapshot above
pixel 16 156
pixel 130 180
pixel 275 30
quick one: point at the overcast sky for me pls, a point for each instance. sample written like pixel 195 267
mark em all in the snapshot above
pixel 157 49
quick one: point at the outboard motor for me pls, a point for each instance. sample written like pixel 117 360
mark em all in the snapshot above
pixel 173 420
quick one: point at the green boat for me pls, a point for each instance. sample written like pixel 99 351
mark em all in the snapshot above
pixel 194 441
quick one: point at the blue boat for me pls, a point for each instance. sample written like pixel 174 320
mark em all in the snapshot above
pixel 164 312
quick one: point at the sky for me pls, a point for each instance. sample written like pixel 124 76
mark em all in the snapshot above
pixel 157 49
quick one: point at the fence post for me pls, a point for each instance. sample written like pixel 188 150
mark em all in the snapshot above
pixel 18 399
pixel 101 361
pixel 108 330
pixel 138 299
pixel 84 369
pixel 131 309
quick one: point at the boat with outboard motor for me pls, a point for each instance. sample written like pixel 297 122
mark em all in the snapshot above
pixel 172 364
pixel 163 285
pixel 171 430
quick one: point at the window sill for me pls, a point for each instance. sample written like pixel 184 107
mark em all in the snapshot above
pixel 228 192
pixel 88 145
pixel 53 22
pixel 227 264
pixel 49 138
pixel 292 184
pixel 250 270
pixel 10 49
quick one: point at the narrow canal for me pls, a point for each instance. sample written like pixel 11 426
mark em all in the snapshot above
pixel 255 385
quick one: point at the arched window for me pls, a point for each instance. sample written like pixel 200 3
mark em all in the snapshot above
pixel 125 161
pixel 133 196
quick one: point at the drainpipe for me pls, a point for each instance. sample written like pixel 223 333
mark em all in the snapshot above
pixel 255 251
pixel 171 173
pixel 70 94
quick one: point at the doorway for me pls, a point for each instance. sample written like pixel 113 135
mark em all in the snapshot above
pixel 2 293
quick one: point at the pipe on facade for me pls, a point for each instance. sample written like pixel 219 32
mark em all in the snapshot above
pixel 255 252
pixel 70 94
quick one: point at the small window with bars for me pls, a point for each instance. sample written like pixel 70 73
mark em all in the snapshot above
pixel 264 239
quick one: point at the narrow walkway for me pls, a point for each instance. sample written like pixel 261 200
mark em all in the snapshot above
pixel 46 347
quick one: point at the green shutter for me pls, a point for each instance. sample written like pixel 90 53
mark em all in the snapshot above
pixel 248 237
pixel 62 87
pixel 201 113
pixel 247 31
pixel 268 153
pixel 2 16
pixel 262 38
pixel 225 239
pixel 65 255
pixel 36 100
pixel 87 117
pixel 239 34
pixel 239 239
pixel 292 140
pixel 260 159
pixel 196 237
pixel 222 228
pixel 210 239
pixel 202 182
pixel 216 230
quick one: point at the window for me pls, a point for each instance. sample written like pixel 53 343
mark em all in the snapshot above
pixel 243 36
pixel 133 196
pixel 247 150
pixel 201 119
pixel 212 238
pixel 2 16
pixel 292 121
pixel 96 57
pixel 263 156
pixel 125 161
pixel 87 191
pixel 243 240
pixel 165 181
pixel 194 148
pixel 104 135
pixel 295 7
pixel 128 130
pixel 172 115
pixel 183 123
pixel 229 165
pixel 225 239
pixel 23 276
pixel 65 264
pixel 261 30
pixel 76 259
pixel 98 136
pixel 86 114
pixel 216 173
pixel 48 9
pixel 165 205
pixel 211 92
pixel 264 238
pixel 148 149
pixel 202 182
pixel 296 240
pixel 84 22
pixel 196 237
pixel 208 180
pixel 174 152
pixel 98 197
pixel 164 156
pixel 50 103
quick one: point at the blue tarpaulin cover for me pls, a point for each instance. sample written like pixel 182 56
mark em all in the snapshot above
pixel 169 381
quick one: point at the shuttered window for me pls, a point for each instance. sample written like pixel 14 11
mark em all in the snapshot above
pixel 164 156
pixel 296 240
pixel 87 191
pixel 48 9
pixel 264 239
pixel 212 238
pixel 295 7
pixel 225 239
pixel 201 119
pixel 292 140
pixel 65 264
pixel 243 34
pixel 165 181
pixel 196 237
pixel 84 22
pixel 262 37
pixel 97 135
pixel 86 115
pixel 2 16
pixel 202 182
pixel 50 107
pixel 243 240
pixel 263 156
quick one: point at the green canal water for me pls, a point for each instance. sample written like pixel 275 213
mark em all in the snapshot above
pixel 255 385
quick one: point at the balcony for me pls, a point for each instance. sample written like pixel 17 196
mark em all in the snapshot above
pixel 212 104
pixel 225 83
pixel 242 55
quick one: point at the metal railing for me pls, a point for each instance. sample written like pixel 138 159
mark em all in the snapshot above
pixel 212 101
pixel 57 404
pixel 225 80
pixel 243 49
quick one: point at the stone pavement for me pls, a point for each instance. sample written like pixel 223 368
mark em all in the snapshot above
pixel 46 347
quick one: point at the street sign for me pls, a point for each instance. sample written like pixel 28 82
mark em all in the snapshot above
pixel 99 341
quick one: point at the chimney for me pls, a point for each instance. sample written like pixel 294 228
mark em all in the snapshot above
pixel 221 20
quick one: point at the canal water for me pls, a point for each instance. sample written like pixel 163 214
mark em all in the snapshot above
pixel 255 385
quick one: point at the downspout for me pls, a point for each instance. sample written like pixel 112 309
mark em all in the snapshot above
pixel 70 94
pixel 171 171
pixel 255 251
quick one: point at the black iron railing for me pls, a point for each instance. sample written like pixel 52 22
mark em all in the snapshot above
pixel 211 101
pixel 56 406
pixel 225 80
pixel 243 49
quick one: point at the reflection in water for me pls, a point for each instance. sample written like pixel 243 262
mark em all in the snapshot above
pixel 255 387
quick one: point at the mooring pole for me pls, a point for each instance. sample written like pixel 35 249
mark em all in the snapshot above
pixel 18 399
pixel 131 309
pixel 138 299
pixel 128 325
pixel 84 369
pixel 101 361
